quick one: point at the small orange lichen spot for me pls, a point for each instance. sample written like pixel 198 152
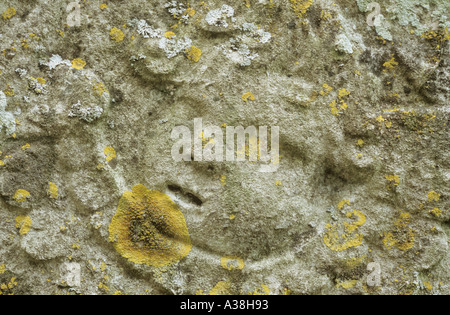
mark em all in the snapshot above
pixel 78 63
pixel 103 6
pixel 116 34
pixel 23 223
pixel 433 196
pixel 9 13
pixel 148 228
pixel 248 96
pixel 169 34
pixel 232 263
pixel 52 191
pixel 194 53
pixel 26 146
pixel 110 154
pixel 21 195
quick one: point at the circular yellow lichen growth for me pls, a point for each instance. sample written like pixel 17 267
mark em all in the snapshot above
pixel 78 63
pixel 148 228
pixel 21 195
pixel 116 34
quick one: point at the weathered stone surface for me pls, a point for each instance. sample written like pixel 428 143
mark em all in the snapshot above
pixel 87 112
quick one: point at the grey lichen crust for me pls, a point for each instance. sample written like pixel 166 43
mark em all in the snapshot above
pixel 359 203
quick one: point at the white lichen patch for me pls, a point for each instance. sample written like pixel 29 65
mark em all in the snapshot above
pixel 56 60
pixel 173 47
pixel 219 17
pixel 256 33
pixel 343 44
pixel 88 114
pixel 146 30
pixel 7 120
pixel 239 52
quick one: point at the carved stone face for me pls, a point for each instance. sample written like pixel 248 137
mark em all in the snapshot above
pixel 362 142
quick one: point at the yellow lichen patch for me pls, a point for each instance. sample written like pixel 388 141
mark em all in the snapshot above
pixel 390 65
pixel 344 93
pixel 334 109
pixel 21 195
pixel 393 179
pixel 194 54
pixel 78 63
pixel 26 146
pixel 339 241
pixel 148 228
pixel 116 34
pixel 342 203
pixel 433 196
pixel 2 269
pixel 221 288
pixel 436 212
pixel 263 291
pixel 360 143
pixel 23 223
pixel 103 6
pixel 52 191
pixel 327 90
pixel 346 284
pixel 248 96
pixel 110 154
pixel 300 6
pixel 9 13
pixel 169 34
pixel 99 89
pixel 232 263
pixel 2 163
pixel 223 179
pixel 428 285
pixel 403 237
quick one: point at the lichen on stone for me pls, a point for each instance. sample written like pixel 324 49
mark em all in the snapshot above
pixel 148 228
